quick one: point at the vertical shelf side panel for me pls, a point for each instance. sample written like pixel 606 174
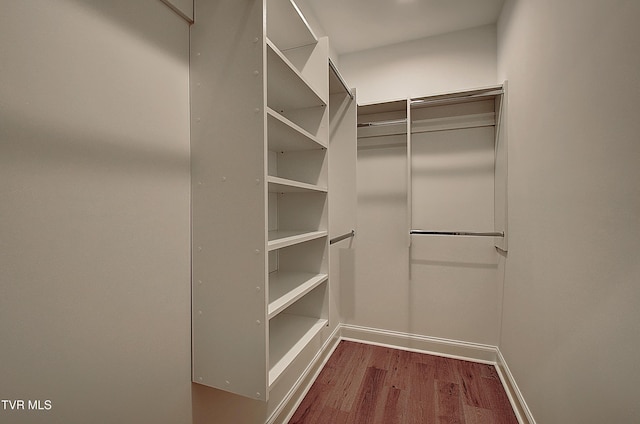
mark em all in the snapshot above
pixel 342 160
pixel 229 285
pixel 501 171
pixel 342 200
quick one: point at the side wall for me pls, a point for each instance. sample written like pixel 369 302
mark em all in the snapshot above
pixel 571 318
pixel 94 212
pixel 449 62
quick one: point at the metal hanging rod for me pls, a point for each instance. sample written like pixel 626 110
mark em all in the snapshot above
pixel 339 76
pixel 350 234
pixel 456 233
pixel 382 123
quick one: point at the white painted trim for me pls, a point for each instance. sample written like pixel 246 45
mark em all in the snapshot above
pixel 454 349
pixel 520 407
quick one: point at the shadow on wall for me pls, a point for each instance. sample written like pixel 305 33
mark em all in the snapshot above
pixel 454 252
pixel 130 16
pixel 347 267
pixel 216 406
pixel 112 153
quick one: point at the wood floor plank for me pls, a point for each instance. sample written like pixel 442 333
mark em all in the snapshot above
pixel 473 415
pixel 367 384
pixel 314 402
pixel 498 400
pixel 341 357
pixel 348 379
pixel 474 392
pixel 399 369
pixel 332 415
pixel 421 407
pixel 369 397
pixel 445 370
pixel 489 371
pixel 395 406
pixel 449 405
pixel 380 357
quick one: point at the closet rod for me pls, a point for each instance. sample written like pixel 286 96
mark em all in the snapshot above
pixel 339 76
pixel 456 233
pixel 350 234
pixel 441 100
pixel 382 123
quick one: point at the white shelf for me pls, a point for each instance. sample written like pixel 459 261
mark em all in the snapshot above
pixel 283 238
pixel 286 25
pixel 283 185
pixel 285 287
pixel 279 62
pixel 288 336
pixel 287 89
pixel 285 135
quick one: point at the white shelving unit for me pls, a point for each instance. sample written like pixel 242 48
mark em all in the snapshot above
pixel 260 132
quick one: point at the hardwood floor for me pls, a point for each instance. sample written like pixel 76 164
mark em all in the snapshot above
pixel 366 384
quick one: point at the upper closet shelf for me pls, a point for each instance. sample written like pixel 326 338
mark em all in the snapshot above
pixel 287 136
pixel 287 88
pixel 337 84
pixel 286 26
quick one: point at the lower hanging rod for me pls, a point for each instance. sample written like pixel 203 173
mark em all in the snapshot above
pixel 352 233
pixel 457 233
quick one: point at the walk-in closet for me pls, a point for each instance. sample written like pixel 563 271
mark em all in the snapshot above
pixel 319 211
pixel 373 222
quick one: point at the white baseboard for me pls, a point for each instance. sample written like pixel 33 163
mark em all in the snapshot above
pixel 431 345
pixel 520 407
pixel 455 349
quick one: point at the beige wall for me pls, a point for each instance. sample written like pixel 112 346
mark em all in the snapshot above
pixel 571 316
pixel 94 211
pixel 443 287
pixel 446 287
pixel 449 62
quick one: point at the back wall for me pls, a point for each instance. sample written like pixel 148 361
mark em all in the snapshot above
pixel 449 62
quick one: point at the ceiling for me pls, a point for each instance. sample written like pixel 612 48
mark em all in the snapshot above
pixel 355 25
